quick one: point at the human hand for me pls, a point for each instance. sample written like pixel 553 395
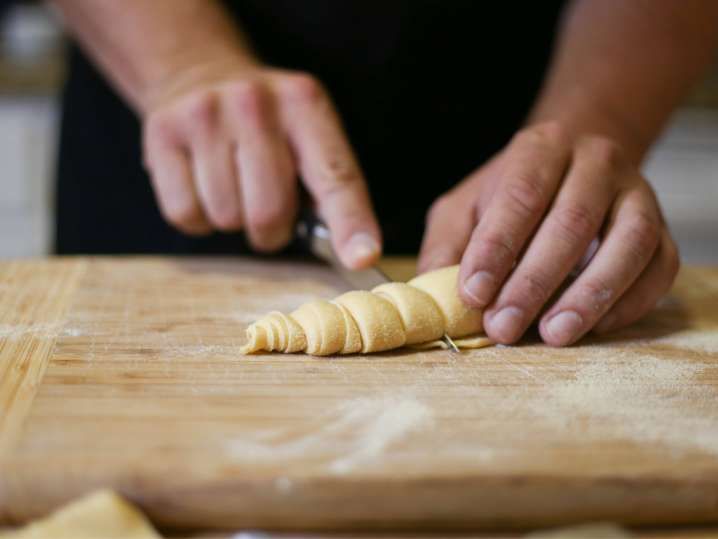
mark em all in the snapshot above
pixel 522 223
pixel 225 142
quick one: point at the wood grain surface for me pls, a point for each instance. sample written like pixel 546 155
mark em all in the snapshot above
pixel 124 372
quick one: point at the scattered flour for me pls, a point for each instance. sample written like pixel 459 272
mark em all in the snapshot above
pixel 284 485
pixel 363 429
pixel 42 331
pixel 20 331
pixel 201 350
pixel 644 399
pixel 703 341
pixel 392 419
pixel 649 398
pixel 72 332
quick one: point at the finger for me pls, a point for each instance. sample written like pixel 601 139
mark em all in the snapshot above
pixel 171 177
pixel 561 241
pixel 653 283
pixel 453 216
pixel 213 165
pixel 330 171
pixel 269 192
pixel 535 163
pixel 217 185
pixel 630 241
pixel 448 227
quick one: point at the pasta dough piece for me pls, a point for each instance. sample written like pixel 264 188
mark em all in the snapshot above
pixel 352 339
pixel 459 319
pixel 324 327
pixel 420 315
pixel 378 321
pixel 101 514
pixel 472 343
pixel 277 331
pixel 392 315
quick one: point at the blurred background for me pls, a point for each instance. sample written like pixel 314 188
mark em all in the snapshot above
pixel 683 166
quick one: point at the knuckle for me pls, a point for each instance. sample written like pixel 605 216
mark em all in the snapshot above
pixel 201 112
pixel 525 194
pixel 535 288
pixel 158 131
pixel 576 222
pixel 607 152
pixel 500 247
pixel 597 294
pixel 302 88
pixel 250 97
pixel 440 207
pixel 341 171
pixel 549 132
pixel 159 126
pixel 642 233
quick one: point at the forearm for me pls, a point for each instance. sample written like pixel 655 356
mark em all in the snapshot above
pixel 621 66
pixel 142 44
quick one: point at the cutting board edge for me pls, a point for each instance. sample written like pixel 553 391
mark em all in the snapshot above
pixel 483 502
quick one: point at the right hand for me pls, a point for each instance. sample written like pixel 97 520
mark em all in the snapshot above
pixel 224 145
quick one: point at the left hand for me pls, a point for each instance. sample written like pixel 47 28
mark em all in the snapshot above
pixel 521 223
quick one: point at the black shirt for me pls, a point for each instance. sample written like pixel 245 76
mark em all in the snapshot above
pixel 427 89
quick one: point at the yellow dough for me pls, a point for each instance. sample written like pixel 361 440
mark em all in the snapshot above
pixel 392 315
pixel 102 514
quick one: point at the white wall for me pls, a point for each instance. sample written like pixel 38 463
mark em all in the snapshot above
pixel 683 168
pixel 28 127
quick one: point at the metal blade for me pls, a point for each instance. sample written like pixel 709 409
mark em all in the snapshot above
pixel 366 279
pixel 451 345
pixel 317 235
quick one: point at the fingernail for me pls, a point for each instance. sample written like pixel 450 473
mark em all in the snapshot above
pixel 606 324
pixel 480 287
pixel 506 325
pixel 361 249
pixel 564 327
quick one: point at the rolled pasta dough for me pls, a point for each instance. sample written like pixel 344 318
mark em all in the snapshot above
pixel 392 315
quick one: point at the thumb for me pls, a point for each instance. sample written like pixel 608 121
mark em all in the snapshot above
pixel 448 228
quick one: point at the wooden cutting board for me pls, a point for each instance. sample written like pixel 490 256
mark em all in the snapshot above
pixel 125 372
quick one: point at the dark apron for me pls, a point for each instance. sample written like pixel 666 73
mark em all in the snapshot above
pixel 428 90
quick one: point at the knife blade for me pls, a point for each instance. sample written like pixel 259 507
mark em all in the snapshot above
pixel 318 238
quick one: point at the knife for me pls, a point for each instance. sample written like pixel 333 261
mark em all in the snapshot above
pixel 318 239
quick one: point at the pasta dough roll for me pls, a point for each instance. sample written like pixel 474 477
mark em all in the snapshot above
pixel 392 315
